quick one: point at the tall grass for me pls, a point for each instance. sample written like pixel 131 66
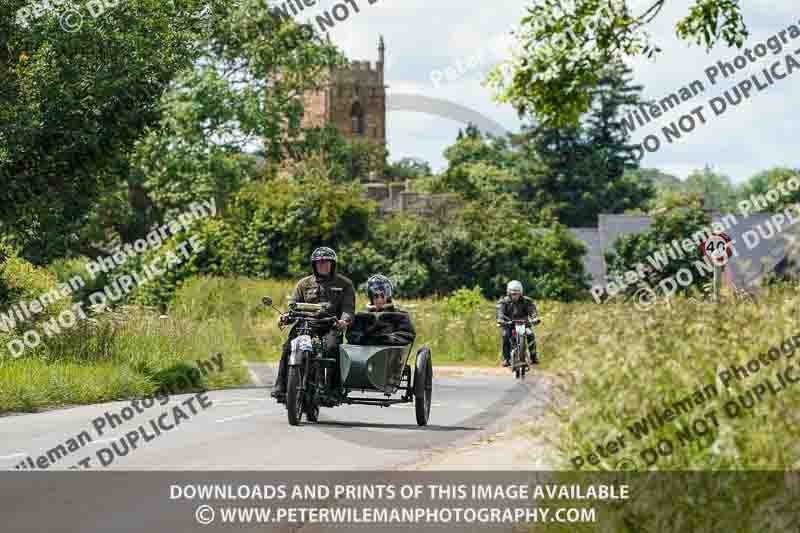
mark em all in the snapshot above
pixel 463 336
pixel 619 364
pixel 115 357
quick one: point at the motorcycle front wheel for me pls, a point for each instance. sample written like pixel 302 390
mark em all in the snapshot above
pixel 294 398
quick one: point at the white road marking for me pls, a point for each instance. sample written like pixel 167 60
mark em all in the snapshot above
pixel 236 417
pixel 254 377
pixel 13 455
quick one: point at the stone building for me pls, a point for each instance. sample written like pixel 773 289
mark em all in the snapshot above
pixel 354 101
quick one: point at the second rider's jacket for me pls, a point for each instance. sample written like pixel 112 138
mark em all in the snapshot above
pixel 522 309
pixel 338 290
pixel 389 327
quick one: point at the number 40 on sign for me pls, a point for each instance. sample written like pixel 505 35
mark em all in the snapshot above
pixel 717 247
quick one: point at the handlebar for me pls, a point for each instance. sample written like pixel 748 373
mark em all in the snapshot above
pixel 313 319
pixel 507 322
pixel 301 306
pixel 309 317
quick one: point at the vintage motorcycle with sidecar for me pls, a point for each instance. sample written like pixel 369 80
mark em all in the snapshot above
pixel 314 380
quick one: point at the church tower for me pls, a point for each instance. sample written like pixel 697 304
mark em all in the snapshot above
pixel 354 101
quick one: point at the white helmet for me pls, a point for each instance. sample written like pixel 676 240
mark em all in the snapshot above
pixel 514 286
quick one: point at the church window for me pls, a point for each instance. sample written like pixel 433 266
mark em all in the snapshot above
pixel 357 118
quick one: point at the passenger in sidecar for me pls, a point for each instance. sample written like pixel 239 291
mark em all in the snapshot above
pixel 381 323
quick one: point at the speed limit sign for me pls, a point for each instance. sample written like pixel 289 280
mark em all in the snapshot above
pixel 717 247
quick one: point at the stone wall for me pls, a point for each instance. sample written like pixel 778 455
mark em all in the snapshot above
pixel 394 198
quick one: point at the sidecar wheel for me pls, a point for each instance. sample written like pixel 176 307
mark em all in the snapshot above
pixel 423 385
pixel 294 400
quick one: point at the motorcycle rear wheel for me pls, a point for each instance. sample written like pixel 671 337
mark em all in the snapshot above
pixel 294 399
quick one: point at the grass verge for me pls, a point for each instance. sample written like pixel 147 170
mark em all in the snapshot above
pixel 639 378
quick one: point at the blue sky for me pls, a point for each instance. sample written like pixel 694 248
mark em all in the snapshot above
pixel 424 39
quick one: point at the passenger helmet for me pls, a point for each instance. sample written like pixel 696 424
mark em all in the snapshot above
pixel 514 286
pixel 323 254
pixel 379 283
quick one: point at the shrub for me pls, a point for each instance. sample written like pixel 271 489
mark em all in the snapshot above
pixel 629 251
pixel 21 283
pixel 481 246
pixel 463 301
pixel 66 269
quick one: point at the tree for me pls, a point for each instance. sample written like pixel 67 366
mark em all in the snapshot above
pixel 566 46
pixel 716 189
pixel 770 179
pixel 659 179
pixel 269 229
pixel 483 243
pixel 141 111
pixel 348 159
pixel 479 165
pixel 73 103
pixel 577 172
pixel 472 146
pixel 480 180
pixel 409 168
pixel 244 90
pixel 614 93
pixel 648 248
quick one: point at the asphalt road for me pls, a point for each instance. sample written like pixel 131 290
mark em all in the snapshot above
pixel 244 429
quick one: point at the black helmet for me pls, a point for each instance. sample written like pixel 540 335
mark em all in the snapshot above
pixel 379 283
pixel 323 254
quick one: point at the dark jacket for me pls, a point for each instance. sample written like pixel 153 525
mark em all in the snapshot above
pixel 338 291
pixel 519 310
pixel 389 327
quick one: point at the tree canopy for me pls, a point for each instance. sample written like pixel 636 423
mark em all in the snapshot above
pixel 565 46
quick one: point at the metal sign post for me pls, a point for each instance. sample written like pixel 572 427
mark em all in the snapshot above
pixel 717 248
pixel 717 281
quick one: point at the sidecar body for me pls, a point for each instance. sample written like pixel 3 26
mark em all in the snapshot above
pixel 385 369
pixel 376 368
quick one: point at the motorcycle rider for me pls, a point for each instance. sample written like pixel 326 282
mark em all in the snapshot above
pixel 515 306
pixel 323 286
pixel 383 323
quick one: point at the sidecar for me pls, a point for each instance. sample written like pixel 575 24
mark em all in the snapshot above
pixel 385 369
